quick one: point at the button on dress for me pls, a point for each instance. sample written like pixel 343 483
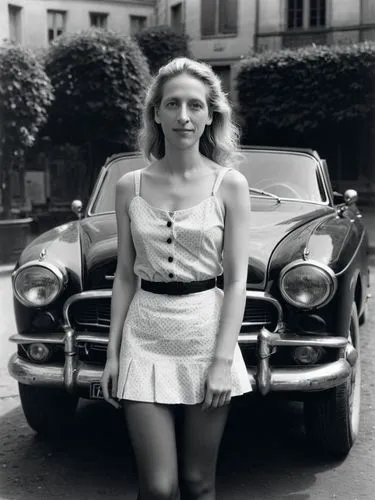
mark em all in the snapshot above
pixel 168 341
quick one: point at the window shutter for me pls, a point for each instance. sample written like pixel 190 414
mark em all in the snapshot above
pixel 228 16
pixel 208 17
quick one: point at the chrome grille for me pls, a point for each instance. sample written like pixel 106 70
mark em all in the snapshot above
pixel 94 314
pixel 91 314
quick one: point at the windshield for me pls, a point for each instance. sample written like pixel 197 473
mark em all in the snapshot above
pixel 105 198
pixel 283 174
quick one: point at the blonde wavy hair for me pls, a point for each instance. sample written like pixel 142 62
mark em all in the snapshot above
pixel 219 141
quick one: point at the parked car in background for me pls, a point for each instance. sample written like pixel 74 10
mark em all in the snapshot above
pixel 307 288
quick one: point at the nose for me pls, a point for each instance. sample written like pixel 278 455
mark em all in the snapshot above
pixel 183 116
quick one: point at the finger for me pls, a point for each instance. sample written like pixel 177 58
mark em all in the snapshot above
pixel 114 386
pixel 222 399
pixel 216 400
pixel 114 403
pixel 207 400
pixel 228 398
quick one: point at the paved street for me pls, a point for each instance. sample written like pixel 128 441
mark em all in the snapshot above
pixel 264 455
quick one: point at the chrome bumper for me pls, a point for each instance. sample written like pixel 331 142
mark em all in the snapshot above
pixel 263 378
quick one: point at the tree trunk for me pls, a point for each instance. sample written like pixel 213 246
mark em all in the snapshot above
pixel 6 184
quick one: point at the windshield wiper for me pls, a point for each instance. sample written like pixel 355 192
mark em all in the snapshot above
pixel 265 193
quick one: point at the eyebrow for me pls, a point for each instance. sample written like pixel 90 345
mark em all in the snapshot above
pixel 176 98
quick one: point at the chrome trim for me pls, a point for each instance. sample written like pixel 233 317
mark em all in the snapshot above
pixel 306 379
pixel 312 263
pixel 292 340
pixel 93 339
pixel 48 338
pixel 258 295
pixel 71 361
pixel 353 256
pixel 267 342
pixel 91 294
pixel 60 274
pixel 104 293
pixel 103 173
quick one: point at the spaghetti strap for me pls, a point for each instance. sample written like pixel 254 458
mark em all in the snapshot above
pixel 219 178
pixel 137 181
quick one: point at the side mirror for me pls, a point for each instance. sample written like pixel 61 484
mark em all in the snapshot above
pixel 350 197
pixel 77 208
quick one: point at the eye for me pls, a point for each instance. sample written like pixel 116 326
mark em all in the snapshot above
pixel 171 104
pixel 197 105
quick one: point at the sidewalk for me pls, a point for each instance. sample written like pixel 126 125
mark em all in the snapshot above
pixel 368 218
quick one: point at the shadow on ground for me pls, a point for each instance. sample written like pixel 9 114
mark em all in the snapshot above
pixel 263 452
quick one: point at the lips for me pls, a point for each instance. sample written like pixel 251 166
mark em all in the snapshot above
pixel 182 130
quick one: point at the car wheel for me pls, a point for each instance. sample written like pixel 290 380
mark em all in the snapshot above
pixel 49 412
pixel 332 416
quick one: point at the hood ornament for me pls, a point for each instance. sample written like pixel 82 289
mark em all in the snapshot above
pixel 306 253
pixel 42 254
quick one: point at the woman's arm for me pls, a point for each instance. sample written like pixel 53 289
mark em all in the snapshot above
pixel 124 285
pixel 235 262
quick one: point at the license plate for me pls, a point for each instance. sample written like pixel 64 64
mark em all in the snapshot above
pixel 96 390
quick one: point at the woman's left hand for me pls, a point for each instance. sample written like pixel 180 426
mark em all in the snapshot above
pixel 218 385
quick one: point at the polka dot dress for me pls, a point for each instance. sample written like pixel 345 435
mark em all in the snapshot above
pixel 168 340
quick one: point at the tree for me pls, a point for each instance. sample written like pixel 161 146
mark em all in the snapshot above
pixel 160 44
pixel 25 97
pixel 99 79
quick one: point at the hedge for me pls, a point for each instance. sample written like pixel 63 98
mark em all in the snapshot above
pixel 301 90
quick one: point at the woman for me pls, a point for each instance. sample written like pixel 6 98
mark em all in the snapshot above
pixel 174 340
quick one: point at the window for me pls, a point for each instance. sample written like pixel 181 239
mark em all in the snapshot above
pixel 306 14
pixel 219 17
pixel 14 14
pixel 137 24
pixel 98 19
pixel 56 23
pixel 295 14
pixel 176 18
pixel 317 13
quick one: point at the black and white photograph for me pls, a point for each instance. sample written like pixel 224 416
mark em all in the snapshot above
pixel 187 249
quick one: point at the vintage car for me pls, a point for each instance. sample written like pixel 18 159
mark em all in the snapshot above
pixel 307 286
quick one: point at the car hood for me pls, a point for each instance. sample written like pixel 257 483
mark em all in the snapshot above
pixel 273 223
pixel 60 246
pixel 270 224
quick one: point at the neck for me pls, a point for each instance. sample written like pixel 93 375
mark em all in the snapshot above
pixel 181 162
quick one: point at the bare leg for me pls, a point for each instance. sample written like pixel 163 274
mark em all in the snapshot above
pixel 152 434
pixel 201 436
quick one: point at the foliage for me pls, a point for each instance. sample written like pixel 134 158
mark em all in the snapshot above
pixel 99 79
pixel 304 89
pixel 25 96
pixel 160 44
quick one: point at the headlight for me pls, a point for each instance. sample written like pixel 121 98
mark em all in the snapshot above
pixel 307 284
pixel 38 284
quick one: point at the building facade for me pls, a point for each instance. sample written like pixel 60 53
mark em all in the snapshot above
pixel 221 32
pixel 36 23
pixel 295 23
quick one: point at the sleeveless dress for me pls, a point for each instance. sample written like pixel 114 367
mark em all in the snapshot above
pixel 168 341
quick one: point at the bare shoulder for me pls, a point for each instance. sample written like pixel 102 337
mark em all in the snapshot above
pixel 125 190
pixel 234 184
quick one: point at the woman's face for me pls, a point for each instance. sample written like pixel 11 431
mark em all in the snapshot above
pixel 183 112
